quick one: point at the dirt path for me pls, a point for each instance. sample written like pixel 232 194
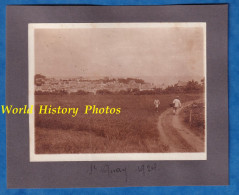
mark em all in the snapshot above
pixel 175 135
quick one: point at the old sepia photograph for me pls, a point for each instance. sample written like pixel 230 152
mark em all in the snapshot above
pixel 117 91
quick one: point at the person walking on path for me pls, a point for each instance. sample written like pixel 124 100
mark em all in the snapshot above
pixel 176 104
pixel 156 104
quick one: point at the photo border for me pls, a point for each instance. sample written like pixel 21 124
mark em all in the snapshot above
pixel 107 156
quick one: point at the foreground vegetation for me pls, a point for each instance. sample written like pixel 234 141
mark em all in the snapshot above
pixel 133 130
pixel 194 117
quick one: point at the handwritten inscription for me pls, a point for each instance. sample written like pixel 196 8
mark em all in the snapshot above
pixel 147 168
pixel 109 170
pixel 122 171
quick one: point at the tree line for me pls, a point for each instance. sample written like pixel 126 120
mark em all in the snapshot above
pixel 190 87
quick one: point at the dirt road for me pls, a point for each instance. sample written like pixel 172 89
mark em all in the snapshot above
pixel 175 135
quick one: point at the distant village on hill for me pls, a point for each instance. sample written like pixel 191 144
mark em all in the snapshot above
pixel 105 85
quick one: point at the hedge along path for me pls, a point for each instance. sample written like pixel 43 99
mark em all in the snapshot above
pixel 175 135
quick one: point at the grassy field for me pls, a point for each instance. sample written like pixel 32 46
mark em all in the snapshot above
pixel 133 130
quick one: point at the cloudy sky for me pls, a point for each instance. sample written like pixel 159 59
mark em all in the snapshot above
pixel 159 55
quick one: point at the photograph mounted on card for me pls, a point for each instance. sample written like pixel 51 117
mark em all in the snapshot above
pixel 119 96
pixel 103 91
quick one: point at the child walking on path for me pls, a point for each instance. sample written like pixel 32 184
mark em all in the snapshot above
pixel 156 104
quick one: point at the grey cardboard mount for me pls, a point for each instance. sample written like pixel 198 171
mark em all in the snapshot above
pixel 24 174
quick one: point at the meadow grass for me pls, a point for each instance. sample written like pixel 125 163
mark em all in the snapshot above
pixel 133 130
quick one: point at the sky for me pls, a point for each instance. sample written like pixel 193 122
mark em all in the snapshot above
pixel 158 55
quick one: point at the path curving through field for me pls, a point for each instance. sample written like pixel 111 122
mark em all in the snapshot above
pixel 175 135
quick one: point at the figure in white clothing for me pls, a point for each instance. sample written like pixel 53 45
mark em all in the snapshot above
pixel 156 104
pixel 176 104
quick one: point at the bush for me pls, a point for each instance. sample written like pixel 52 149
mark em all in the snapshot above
pixel 81 92
pixel 104 92
pixel 197 117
